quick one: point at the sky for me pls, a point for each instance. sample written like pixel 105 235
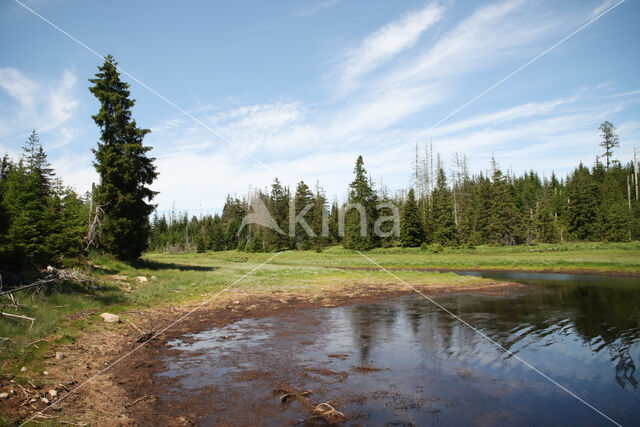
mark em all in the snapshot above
pixel 237 93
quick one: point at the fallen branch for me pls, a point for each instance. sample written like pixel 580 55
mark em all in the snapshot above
pixel 18 316
pixel 53 275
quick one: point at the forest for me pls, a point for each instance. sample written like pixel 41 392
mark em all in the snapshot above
pixel 443 208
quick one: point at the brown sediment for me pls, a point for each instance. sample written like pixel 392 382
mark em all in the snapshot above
pixel 125 393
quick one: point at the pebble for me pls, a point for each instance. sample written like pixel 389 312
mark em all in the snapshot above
pixel 53 392
pixel 45 372
pixel 23 369
pixel 60 355
pixel 142 279
pixel 45 400
pixel 4 395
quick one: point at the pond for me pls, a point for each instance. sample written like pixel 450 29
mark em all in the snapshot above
pixel 405 361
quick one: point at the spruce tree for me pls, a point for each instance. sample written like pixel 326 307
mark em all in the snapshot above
pixel 583 204
pixel 444 226
pixel 124 168
pixel 614 216
pixel 411 232
pixel 505 219
pixel 302 200
pixel 362 194
pixel 278 205
pixel 610 140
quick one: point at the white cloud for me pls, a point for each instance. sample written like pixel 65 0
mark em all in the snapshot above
pixel 490 34
pixel 602 7
pixel 388 41
pixel 41 105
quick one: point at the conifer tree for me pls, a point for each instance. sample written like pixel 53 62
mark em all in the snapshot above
pixel 583 204
pixel 303 200
pixel 610 140
pixel 361 193
pixel 411 232
pixel 279 209
pixel 614 217
pixel 319 218
pixel 505 221
pixel 444 226
pixel 124 168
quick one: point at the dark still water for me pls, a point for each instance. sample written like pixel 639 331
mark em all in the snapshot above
pixel 404 361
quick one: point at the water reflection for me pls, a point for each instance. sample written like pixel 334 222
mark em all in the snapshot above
pixel 405 361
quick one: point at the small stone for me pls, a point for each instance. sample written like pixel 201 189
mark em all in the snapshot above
pixel 142 279
pixel 60 355
pixel 154 278
pixel 23 369
pixel 53 392
pixel 45 372
pixel 4 395
pixel 236 302
pixel 45 400
pixel 110 318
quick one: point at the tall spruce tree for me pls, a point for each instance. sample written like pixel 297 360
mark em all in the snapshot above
pixel 124 168
pixel 361 194
pixel 411 231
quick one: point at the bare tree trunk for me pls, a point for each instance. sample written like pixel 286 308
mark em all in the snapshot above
pixel 629 190
pixel 635 169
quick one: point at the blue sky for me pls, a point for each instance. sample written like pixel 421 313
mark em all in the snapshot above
pixel 297 89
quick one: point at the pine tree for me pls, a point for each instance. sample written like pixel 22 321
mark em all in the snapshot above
pixel 444 226
pixel 123 166
pixel 411 232
pixel 361 194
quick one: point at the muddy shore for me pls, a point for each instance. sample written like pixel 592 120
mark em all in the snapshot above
pixel 127 393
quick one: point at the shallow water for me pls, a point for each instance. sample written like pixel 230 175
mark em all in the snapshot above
pixel 405 361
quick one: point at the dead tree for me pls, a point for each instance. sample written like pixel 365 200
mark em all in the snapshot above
pixel 94 228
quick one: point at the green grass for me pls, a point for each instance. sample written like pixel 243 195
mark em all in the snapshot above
pixel 187 277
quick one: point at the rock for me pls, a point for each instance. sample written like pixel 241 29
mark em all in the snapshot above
pixel 45 400
pixel 154 278
pixel 23 369
pixel 53 392
pixel 142 279
pixel 4 395
pixel 236 302
pixel 110 318
pixel 60 355
pixel 45 372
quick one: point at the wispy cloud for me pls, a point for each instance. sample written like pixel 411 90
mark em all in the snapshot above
pixel 37 104
pixel 387 42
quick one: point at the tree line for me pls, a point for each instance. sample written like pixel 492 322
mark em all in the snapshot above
pixel 597 203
